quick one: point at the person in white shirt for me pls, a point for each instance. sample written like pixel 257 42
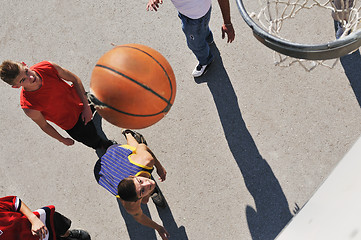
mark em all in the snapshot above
pixel 195 16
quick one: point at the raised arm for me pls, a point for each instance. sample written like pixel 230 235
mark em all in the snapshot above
pixel 162 173
pixel 71 77
pixel 39 119
pixel 146 157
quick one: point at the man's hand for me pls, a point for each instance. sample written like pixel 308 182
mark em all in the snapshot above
pixel 67 141
pixel 38 228
pixel 86 114
pixel 153 5
pixel 228 29
pixel 161 173
pixel 163 233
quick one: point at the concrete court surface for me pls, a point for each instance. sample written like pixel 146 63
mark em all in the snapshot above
pixel 243 147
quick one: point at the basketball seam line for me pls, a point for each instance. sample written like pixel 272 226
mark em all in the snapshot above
pixel 97 103
pixel 166 73
pixel 136 82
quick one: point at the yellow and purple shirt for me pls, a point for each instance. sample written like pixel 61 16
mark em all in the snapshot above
pixel 115 165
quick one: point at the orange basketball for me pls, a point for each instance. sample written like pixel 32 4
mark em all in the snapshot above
pixel 133 85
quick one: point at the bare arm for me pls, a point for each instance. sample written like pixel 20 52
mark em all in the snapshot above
pixel 227 27
pixel 146 157
pixel 39 119
pixel 162 173
pixel 71 77
pixel 37 226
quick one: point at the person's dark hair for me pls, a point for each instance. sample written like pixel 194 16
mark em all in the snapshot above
pixel 9 70
pixel 126 190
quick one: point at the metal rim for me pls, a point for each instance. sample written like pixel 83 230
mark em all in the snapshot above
pixel 325 51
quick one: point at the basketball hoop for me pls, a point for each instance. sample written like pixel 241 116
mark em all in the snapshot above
pixel 274 22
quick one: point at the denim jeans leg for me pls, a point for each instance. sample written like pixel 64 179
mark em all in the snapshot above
pixel 198 34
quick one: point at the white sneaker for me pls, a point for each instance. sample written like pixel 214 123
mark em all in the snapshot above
pixel 199 70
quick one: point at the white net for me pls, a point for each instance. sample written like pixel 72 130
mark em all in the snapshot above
pixel 289 20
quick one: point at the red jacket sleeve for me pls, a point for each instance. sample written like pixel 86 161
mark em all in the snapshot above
pixel 10 203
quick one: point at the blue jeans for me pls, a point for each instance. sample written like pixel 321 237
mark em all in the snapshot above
pixel 198 36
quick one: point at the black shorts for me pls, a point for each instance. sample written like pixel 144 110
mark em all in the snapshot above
pixel 61 224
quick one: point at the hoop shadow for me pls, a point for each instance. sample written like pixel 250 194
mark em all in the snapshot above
pixel 351 63
pixel 137 231
pixel 272 211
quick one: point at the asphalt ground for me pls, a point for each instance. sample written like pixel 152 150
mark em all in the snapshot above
pixel 244 146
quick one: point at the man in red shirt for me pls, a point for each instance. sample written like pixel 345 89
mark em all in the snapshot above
pixel 18 222
pixel 46 96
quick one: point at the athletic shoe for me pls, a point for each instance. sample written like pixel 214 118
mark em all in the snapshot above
pixel 77 234
pixel 200 70
pixel 158 197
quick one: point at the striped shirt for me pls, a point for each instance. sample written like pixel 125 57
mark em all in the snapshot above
pixel 115 165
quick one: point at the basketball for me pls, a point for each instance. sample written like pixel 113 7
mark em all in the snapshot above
pixel 133 86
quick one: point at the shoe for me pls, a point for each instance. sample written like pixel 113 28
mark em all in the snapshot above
pixel 158 197
pixel 77 234
pixel 138 137
pixel 200 70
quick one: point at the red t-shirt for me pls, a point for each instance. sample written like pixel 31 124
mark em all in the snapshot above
pixel 55 99
pixel 15 226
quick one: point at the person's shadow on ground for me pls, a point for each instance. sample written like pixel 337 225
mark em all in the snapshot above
pixel 351 63
pixel 137 231
pixel 272 211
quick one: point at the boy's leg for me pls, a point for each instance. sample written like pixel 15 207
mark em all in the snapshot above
pixel 157 196
pixel 198 36
pixel 62 225
pixel 88 135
